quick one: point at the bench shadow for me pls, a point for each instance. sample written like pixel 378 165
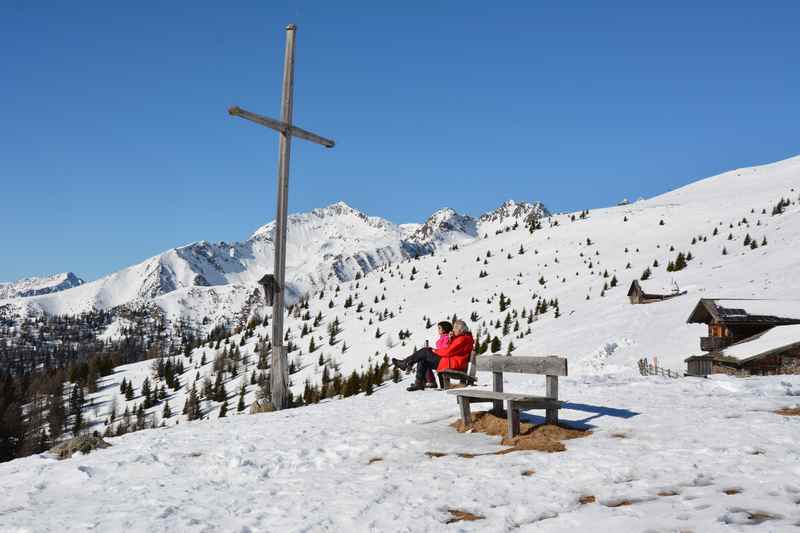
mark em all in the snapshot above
pixel 582 424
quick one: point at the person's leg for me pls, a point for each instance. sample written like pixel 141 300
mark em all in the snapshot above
pixel 414 358
pixel 425 363
pixel 430 380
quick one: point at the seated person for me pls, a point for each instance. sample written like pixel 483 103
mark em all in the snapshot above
pixel 445 329
pixel 455 356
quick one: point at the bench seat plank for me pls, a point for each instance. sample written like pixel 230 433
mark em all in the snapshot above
pixel 491 395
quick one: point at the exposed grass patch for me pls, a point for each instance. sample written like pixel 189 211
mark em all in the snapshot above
pixel 462 516
pixel 542 437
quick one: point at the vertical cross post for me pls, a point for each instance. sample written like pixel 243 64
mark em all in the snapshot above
pixel 274 286
pixel 280 365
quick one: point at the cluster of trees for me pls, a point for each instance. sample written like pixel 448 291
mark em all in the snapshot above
pixel 357 382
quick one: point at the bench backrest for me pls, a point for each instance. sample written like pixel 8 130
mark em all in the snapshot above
pixel 548 366
pixel 551 366
pixel 472 366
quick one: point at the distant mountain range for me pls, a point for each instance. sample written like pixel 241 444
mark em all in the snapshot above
pixel 213 281
pixel 34 286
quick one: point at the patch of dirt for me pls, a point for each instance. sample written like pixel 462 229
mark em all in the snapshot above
pixel 620 435
pixel 587 499
pixel 81 443
pixel 528 472
pixel 435 455
pixel 789 411
pixel 664 493
pixel 745 517
pixel 462 516
pixel 375 460
pixel 731 491
pixel 617 503
pixel 542 437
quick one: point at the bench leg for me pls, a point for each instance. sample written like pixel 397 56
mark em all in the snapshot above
pixel 445 382
pixel 551 415
pixel 512 415
pixel 466 416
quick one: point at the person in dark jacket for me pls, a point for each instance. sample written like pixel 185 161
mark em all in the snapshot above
pixel 455 356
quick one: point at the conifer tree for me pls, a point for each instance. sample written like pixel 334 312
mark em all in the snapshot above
pixel 167 412
pixel 496 345
pixel 240 406
pixel 223 409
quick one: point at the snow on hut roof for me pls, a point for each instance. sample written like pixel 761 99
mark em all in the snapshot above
pixel 655 287
pixel 746 310
pixel 764 343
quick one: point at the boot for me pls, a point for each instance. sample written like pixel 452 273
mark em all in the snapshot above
pixel 418 385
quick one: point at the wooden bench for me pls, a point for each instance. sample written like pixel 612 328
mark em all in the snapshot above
pixel 467 378
pixel 552 367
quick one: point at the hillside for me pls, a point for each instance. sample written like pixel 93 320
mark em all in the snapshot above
pixel 566 262
pixel 563 288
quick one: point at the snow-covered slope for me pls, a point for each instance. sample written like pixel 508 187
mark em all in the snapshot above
pixel 597 329
pixel 35 286
pixel 665 455
pixel 685 437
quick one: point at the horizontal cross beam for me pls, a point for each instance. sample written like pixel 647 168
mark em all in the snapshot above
pixel 282 127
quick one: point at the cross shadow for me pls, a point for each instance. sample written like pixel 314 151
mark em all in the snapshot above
pixel 583 424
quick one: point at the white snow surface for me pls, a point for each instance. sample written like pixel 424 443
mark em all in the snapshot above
pixel 661 457
pixel 772 339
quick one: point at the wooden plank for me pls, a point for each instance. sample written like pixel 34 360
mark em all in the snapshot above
pixel 497 386
pixel 473 365
pixel 551 416
pixel 512 416
pixel 540 403
pixel 549 365
pixel 466 416
pixel 491 395
pixel 281 127
pixel 456 374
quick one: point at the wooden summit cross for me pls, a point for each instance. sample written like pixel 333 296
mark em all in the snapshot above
pixel 287 130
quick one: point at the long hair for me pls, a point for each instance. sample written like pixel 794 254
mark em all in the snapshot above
pixel 446 326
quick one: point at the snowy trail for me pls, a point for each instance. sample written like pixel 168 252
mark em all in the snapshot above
pixel 314 469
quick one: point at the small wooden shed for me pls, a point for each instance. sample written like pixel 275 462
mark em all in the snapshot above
pixel 645 293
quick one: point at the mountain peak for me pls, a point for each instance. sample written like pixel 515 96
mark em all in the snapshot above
pixel 511 209
pixel 35 286
pixel 444 225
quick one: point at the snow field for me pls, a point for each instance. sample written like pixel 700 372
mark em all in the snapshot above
pixel 662 455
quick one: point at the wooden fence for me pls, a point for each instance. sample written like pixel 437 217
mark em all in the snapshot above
pixel 652 369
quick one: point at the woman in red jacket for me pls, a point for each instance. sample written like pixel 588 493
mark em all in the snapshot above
pixel 455 356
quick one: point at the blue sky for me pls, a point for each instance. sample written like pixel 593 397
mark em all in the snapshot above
pixel 115 143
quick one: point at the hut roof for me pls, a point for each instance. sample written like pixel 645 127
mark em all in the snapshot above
pixel 653 288
pixel 746 311
pixel 773 340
